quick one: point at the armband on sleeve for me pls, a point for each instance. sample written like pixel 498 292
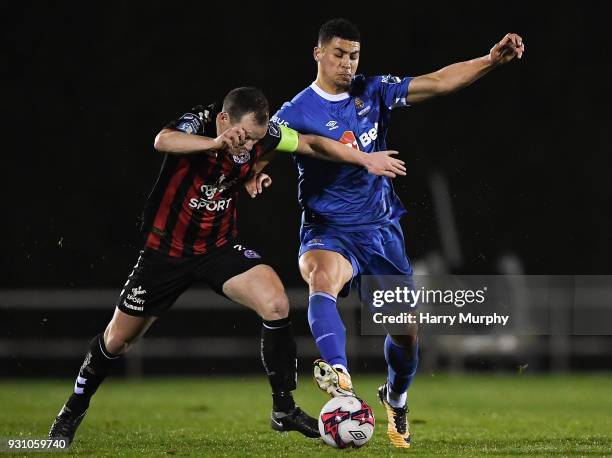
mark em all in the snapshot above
pixel 279 138
pixel 289 140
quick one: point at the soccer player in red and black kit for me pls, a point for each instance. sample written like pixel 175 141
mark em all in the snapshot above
pixel 191 235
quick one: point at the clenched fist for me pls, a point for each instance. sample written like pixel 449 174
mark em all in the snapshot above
pixel 508 48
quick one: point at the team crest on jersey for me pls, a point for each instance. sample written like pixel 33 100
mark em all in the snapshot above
pixel 349 139
pixel 251 254
pixel 242 157
pixel 359 103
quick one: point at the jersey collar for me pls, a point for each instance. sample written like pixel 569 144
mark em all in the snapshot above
pixel 327 96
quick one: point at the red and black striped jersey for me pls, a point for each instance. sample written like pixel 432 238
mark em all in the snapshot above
pixel 192 208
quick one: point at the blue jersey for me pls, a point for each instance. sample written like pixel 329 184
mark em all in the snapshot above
pixel 341 195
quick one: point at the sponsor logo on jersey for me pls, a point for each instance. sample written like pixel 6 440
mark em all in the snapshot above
pixel 349 139
pixel 332 125
pixel 315 242
pixel 368 137
pixel 209 192
pixel 210 205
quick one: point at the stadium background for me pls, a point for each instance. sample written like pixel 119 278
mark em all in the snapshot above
pixel 509 175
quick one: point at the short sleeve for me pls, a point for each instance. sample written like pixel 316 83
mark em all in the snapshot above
pixel 393 90
pixel 289 116
pixel 271 140
pixel 192 122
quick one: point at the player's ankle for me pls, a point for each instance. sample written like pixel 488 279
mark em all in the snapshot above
pixel 78 403
pixel 397 400
pixel 282 401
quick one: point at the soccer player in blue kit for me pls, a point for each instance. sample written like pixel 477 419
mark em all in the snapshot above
pixel 350 221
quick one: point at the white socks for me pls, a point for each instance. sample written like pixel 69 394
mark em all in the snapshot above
pixel 396 399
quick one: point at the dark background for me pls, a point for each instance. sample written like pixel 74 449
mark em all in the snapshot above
pixel 525 150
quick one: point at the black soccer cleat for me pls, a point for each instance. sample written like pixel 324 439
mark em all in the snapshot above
pixel 295 420
pixel 66 424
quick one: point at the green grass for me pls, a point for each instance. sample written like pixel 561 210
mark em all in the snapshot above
pixel 463 415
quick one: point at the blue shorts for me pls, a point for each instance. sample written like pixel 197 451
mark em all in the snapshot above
pixel 377 251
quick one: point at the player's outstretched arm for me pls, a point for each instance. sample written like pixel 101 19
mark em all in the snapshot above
pixel 174 141
pixel 459 75
pixel 378 163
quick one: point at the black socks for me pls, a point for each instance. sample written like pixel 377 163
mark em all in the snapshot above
pixel 279 358
pixel 97 364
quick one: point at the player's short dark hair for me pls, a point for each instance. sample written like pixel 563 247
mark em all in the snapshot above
pixel 244 100
pixel 340 28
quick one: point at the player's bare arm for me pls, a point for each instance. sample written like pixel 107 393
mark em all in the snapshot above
pixel 381 163
pixel 457 76
pixel 174 141
pixel 377 163
pixel 317 147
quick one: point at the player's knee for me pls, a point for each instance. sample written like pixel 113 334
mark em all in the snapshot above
pixel 406 341
pixel 118 344
pixel 275 308
pixel 321 280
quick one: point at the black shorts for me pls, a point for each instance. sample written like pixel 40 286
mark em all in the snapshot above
pixel 158 280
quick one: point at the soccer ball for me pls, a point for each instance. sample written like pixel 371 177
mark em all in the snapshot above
pixel 346 421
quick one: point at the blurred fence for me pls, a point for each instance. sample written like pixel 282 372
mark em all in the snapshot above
pixel 45 333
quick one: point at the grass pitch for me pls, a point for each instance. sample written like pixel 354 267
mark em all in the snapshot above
pixel 462 415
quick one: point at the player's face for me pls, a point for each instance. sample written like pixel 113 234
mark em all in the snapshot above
pixel 254 132
pixel 337 62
